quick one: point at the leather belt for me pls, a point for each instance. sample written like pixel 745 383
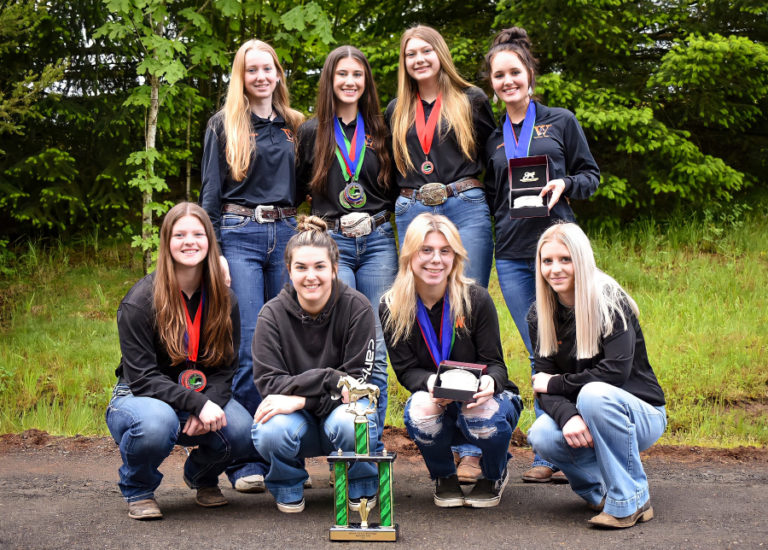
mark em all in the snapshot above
pixel 434 194
pixel 262 213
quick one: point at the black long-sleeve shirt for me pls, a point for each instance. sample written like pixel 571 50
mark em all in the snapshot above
pixel 271 176
pixel 558 135
pixel 450 163
pixel 621 362
pixel 297 354
pixel 327 204
pixel 145 365
pixel 480 343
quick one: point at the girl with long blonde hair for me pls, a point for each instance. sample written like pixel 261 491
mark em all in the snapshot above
pixel 179 332
pixel 433 314
pixel 601 401
pixel 439 125
pixel 250 193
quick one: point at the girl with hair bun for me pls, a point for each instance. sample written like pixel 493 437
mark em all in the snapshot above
pixel 345 163
pixel 528 129
pixel 310 335
pixel 249 191
pixel 179 332
pixel 602 403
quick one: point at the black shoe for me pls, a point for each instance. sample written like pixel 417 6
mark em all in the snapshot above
pixel 487 493
pixel 448 492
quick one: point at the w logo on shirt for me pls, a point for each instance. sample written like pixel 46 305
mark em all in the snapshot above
pixel 288 134
pixel 541 130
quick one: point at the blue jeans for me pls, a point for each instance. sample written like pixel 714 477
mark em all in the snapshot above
pixel 287 439
pixel 255 253
pixel 146 429
pixel 369 265
pixel 621 426
pixel 489 427
pixel 469 212
pixel 517 279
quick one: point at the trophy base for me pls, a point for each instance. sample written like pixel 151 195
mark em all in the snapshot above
pixel 372 533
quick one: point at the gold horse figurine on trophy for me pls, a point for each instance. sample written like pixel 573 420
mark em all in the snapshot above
pixel 358 390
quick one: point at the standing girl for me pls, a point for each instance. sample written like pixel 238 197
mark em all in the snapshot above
pixel 249 191
pixel 602 402
pixel 308 337
pixel 439 125
pixel 434 313
pixel 179 332
pixel 345 163
pixel 529 128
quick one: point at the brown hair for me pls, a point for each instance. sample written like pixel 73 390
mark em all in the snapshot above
pixel 368 105
pixel 169 309
pixel 515 40
pixel 312 231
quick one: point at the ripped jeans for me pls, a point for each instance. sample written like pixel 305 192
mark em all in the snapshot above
pixel 488 427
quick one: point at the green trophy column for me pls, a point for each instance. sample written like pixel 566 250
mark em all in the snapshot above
pixel 340 492
pixel 361 435
pixel 385 494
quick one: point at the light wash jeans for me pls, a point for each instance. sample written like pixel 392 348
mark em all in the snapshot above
pixel 285 440
pixel 146 429
pixel 517 279
pixel 469 212
pixel 489 427
pixel 621 426
pixel 369 265
pixel 255 253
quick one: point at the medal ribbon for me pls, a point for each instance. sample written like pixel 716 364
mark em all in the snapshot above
pixel 426 129
pixel 440 351
pixel 192 335
pixel 523 145
pixel 350 154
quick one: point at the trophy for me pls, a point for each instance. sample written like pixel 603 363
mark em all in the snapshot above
pixel 344 529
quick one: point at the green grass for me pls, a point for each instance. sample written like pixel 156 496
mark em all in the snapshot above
pixel 700 286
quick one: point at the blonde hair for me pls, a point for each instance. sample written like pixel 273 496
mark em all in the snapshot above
pixel 401 298
pixel 456 113
pixel 168 302
pixel 599 299
pixel 237 110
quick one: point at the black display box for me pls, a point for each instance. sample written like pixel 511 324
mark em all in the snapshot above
pixel 527 177
pixel 457 394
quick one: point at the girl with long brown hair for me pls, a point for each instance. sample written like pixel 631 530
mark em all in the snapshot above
pixel 345 162
pixel 249 191
pixel 179 332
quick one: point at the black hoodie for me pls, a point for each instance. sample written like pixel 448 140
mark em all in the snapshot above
pixel 296 354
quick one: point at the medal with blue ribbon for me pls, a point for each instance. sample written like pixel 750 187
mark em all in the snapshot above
pixel 522 145
pixel 439 350
pixel 350 156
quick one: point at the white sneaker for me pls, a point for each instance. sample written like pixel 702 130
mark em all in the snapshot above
pixel 251 484
pixel 291 507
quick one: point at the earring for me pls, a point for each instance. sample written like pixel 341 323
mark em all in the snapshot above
pixel 495 98
pixel 530 91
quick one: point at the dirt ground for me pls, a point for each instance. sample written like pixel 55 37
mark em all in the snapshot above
pixel 62 493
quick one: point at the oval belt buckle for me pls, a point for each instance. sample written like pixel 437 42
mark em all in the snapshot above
pixel 433 194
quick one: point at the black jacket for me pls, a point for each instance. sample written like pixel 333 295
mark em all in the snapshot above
pixel 621 362
pixel 480 343
pixel 145 365
pixel 295 354
pixel 558 135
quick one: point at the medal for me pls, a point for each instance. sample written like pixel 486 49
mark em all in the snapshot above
pixel 350 156
pixel 522 146
pixel 439 349
pixel 193 380
pixel 352 196
pixel 425 130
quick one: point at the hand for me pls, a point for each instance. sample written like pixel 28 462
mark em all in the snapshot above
pixel 344 395
pixel 212 416
pixel 278 404
pixel 193 426
pixel 225 270
pixel 540 381
pixel 487 387
pixel 431 386
pixel 557 187
pixel 576 433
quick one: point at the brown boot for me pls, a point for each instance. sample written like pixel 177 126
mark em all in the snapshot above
pixel 469 470
pixel 642 514
pixel 538 474
pixel 144 509
pixel 210 497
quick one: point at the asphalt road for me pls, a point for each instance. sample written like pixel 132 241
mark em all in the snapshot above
pixel 51 497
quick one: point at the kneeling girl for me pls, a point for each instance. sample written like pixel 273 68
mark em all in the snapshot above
pixel 434 313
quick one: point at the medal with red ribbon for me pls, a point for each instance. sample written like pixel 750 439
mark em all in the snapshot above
pixel 350 155
pixel 425 130
pixel 193 379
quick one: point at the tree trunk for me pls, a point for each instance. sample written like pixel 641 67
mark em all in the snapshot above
pixel 189 151
pixel 146 216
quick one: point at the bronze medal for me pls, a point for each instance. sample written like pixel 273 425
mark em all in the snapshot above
pixel 427 167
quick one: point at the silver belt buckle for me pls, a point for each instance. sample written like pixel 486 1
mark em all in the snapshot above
pixel 356 224
pixel 259 216
pixel 433 194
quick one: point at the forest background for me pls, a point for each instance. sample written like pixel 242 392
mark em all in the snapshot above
pixel 103 106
